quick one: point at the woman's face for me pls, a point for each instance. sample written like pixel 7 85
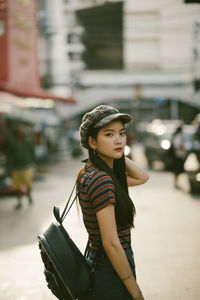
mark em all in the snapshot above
pixel 110 142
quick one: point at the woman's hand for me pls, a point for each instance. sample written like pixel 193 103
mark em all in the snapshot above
pixel 135 175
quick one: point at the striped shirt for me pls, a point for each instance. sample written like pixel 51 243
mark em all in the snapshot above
pixel 96 193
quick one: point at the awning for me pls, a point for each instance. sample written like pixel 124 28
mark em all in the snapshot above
pixel 91 97
pixel 17 108
pixel 38 93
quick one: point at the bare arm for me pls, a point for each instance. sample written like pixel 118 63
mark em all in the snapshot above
pixel 135 175
pixel 114 250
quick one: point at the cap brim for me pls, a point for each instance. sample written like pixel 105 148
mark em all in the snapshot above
pixel 125 118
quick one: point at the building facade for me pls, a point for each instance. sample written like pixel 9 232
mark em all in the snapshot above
pixel 162 35
pixel 157 34
pixel 151 47
pixel 60 49
pixel 160 49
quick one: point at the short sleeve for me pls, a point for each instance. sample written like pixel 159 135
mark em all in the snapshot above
pixel 101 191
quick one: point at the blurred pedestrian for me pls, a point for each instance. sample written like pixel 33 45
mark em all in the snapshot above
pixel 41 151
pixel 197 132
pixel 196 140
pixel 21 158
pixel 178 154
pixel 108 211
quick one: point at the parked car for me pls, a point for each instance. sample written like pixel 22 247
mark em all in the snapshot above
pixel 157 143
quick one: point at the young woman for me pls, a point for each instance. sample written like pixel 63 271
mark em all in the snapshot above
pixel 108 212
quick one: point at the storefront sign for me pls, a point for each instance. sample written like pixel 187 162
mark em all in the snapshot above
pixel 22 45
pixel 19 68
pixel 3 5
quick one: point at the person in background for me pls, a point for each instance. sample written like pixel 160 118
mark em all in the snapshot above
pixel 196 140
pixel 108 211
pixel 21 158
pixel 178 154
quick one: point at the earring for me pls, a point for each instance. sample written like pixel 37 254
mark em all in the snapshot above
pixel 94 151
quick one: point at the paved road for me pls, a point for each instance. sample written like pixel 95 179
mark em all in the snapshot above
pixel 166 239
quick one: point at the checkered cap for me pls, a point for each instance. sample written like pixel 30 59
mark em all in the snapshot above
pixel 99 117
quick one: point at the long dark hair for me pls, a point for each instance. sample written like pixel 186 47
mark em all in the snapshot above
pixel 124 208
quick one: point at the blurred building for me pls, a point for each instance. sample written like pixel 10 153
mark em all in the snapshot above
pixel 19 68
pixel 160 35
pixel 162 41
pixel 60 45
pixel 154 54
pixel 22 98
pixel 139 55
pixel 156 35
pixel 53 30
pixel 102 36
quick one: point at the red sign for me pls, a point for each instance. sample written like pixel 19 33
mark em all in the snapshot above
pixel 21 43
pixel 19 71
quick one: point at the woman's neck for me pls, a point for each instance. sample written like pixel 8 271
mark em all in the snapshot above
pixel 108 161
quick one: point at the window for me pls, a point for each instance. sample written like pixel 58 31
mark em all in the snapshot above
pixel 142 39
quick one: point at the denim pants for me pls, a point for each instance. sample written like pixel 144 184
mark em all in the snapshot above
pixel 107 285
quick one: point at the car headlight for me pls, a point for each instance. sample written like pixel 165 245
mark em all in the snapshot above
pixel 165 144
pixel 198 177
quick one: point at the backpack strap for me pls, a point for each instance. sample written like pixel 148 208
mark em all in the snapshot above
pixel 60 218
pixel 56 210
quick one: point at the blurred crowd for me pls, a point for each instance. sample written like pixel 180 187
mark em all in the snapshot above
pixel 25 147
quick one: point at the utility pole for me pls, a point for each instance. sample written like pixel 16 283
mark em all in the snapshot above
pixel 196 57
pixel 196 51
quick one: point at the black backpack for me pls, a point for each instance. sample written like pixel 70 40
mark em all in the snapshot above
pixel 66 269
